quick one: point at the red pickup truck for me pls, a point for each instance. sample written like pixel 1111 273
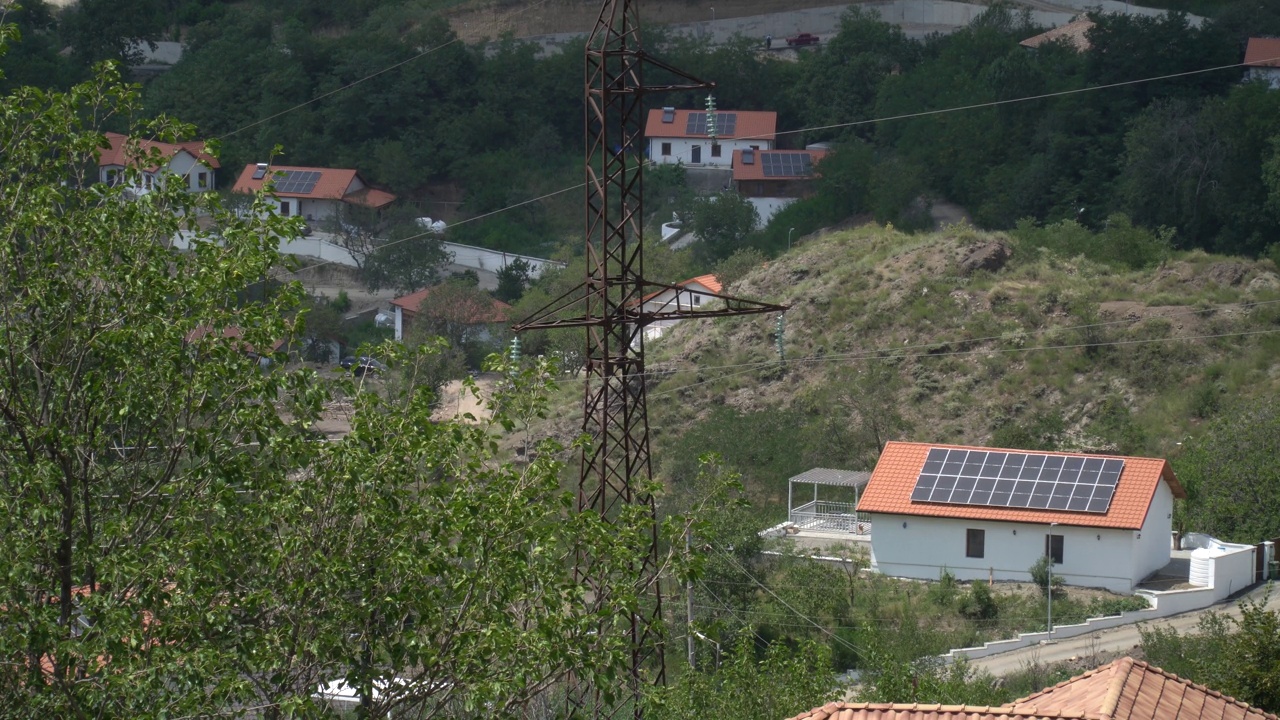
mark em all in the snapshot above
pixel 802 39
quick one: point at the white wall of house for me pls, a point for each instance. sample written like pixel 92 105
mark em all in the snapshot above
pixel 312 210
pixel 399 322
pixel 197 175
pixel 768 207
pixel 682 150
pixel 1091 557
pixel 1269 75
pixel 691 297
pixel 1152 544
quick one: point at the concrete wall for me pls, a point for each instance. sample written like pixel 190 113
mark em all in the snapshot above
pixel 768 207
pixel 494 260
pixel 1233 571
pixel 1151 546
pixel 1092 557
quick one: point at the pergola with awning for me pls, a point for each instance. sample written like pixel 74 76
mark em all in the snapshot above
pixel 829 515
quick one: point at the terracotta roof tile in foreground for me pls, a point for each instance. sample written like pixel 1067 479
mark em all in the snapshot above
pixel 899 467
pixel 1126 689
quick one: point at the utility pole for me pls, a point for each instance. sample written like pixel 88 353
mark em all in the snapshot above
pixel 688 593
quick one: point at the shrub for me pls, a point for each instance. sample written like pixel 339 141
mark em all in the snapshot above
pixel 979 603
pixel 1040 576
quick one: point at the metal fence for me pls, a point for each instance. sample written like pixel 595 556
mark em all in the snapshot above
pixel 828 516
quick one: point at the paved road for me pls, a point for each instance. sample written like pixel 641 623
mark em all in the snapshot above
pixel 1118 639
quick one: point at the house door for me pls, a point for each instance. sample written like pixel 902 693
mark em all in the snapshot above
pixel 696 156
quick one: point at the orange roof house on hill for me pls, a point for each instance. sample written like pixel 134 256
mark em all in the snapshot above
pixel 1262 57
pixel 476 311
pixel 684 136
pixel 1126 689
pixel 687 295
pixel 1074 33
pixel 187 160
pixel 990 512
pixel 311 192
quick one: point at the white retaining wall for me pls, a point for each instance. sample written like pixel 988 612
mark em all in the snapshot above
pixel 1232 573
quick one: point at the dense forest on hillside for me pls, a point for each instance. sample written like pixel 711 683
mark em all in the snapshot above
pixel 492 126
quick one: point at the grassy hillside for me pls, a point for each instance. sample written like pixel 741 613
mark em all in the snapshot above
pixel 891 335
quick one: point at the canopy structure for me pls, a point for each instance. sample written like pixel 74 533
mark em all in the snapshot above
pixel 829 515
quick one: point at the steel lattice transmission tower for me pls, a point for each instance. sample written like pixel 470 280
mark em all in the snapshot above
pixel 610 303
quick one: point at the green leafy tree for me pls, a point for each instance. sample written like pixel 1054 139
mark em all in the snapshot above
pixel 409 259
pixel 178 543
pixel 722 223
pixel 778 682
pixel 512 280
pixel 137 418
pixel 1232 483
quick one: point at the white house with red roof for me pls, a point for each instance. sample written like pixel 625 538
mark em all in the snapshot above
pixel 478 312
pixel 773 179
pixel 117 164
pixel 684 136
pixel 1262 57
pixel 311 192
pixel 986 512
pixel 686 295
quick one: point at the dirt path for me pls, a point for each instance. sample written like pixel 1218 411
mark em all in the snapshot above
pixel 457 401
pixel 1121 639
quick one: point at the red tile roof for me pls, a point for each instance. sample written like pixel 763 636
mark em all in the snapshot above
pixel 751 125
pixel 899 466
pixel 115 153
pixel 708 281
pixel 755 171
pixel 1076 33
pixel 1126 689
pixel 1263 52
pixel 492 310
pixel 334 184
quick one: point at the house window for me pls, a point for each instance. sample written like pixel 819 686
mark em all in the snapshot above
pixel 113 177
pixel 1053 548
pixel 202 180
pixel 715 150
pixel 284 208
pixel 147 180
pixel 975 543
pixel 666 149
pixel 697 299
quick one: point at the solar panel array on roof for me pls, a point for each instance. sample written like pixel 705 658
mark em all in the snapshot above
pixel 1017 480
pixel 726 123
pixel 792 164
pixel 296 181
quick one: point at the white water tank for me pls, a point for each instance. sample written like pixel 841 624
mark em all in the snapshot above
pixel 1201 567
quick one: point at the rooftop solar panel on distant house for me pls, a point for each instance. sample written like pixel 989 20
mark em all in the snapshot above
pixel 668 114
pixel 792 164
pixel 300 182
pixel 1018 480
pixel 726 123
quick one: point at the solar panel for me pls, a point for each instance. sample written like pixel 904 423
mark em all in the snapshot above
pixel 296 181
pixel 668 114
pixel 726 124
pixel 1017 480
pixel 789 164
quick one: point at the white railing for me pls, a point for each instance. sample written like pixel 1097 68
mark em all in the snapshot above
pixel 826 515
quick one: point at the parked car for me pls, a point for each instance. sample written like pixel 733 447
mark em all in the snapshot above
pixel 803 39
pixel 361 365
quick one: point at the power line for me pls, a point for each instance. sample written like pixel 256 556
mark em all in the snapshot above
pixel 798 614
pixel 791 132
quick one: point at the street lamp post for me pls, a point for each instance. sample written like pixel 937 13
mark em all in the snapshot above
pixel 1048 553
